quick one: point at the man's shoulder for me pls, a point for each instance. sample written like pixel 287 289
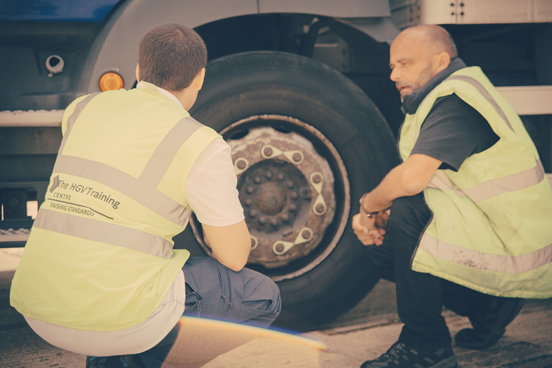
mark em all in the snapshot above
pixel 452 104
pixel 451 116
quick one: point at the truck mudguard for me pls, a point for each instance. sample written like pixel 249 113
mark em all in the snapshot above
pixel 116 46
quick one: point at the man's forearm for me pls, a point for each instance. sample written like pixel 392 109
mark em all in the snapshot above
pixel 230 245
pixel 407 179
pixel 382 197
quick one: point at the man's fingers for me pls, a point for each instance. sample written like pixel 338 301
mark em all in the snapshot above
pixel 375 233
pixel 357 224
pixel 365 239
pixel 367 236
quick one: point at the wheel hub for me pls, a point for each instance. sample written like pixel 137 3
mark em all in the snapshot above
pixel 273 193
pixel 286 189
pixel 288 192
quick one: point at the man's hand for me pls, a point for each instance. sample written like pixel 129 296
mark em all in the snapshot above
pixel 366 231
pixel 381 219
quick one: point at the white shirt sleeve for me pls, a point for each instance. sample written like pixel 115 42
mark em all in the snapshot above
pixel 211 187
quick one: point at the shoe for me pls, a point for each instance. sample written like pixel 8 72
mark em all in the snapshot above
pixel 102 362
pixel 119 361
pixel 489 327
pixel 403 356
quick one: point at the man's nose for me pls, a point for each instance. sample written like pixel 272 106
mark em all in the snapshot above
pixel 395 75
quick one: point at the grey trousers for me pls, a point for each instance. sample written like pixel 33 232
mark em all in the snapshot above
pixel 214 291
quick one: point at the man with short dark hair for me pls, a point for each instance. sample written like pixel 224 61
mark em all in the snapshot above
pixel 99 275
pixel 470 207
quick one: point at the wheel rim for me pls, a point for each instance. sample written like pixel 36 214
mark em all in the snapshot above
pixel 294 189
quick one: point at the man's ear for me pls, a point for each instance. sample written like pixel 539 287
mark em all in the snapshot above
pixel 138 72
pixel 199 79
pixel 442 61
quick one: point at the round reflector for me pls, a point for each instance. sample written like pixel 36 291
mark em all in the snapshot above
pixel 111 81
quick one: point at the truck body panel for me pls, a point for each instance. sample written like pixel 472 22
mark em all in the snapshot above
pixel 305 55
pixel 56 10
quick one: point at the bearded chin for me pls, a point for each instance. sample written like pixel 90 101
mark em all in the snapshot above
pixel 423 79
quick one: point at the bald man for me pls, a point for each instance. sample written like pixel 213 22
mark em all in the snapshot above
pixel 425 230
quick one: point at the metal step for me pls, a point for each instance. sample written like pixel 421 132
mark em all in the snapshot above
pixel 12 238
pixel 38 118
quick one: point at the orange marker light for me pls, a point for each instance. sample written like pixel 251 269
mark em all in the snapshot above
pixel 111 81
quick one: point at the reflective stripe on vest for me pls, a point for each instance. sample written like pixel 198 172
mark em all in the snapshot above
pixel 491 188
pixel 487 261
pixel 124 183
pixel 497 186
pixel 104 232
pixel 142 190
pixel 71 120
pixel 490 225
pixel 484 92
pixel 167 149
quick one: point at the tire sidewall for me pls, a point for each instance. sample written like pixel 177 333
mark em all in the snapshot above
pixel 258 83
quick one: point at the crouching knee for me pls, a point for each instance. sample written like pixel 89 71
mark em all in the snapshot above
pixel 275 306
pixel 262 300
pixel 409 215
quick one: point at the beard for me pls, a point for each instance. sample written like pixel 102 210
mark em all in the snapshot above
pixel 425 76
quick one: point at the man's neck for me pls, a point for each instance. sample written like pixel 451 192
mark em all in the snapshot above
pixel 186 97
pixel 164 92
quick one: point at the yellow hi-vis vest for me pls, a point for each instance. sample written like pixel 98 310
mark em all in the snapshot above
pixel 100 254
pixel 490 229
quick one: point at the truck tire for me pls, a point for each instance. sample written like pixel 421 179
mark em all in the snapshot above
pixel 306 144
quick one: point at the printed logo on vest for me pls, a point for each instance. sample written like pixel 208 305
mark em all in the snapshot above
pixel 65 202
pixel 55 184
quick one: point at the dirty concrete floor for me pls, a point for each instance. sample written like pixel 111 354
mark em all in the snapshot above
pixel 364 333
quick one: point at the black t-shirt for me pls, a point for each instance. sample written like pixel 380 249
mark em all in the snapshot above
pixel 452 132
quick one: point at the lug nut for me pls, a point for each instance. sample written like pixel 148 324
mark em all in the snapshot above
pixel 292 207
pixel 279 247
pixel 250 189
pixel 268 151
pixel 268 174
pixel 274 222
pixel 257 179
pixel 253 213
pixel 289 184
pixel 241 164
pixel 248 202
pixel 280 176
pixel 262 220
pixel 305 234
pixel 319 208
pixel 285 217
pixel 296 157
pixel 294 195
pixel 316 179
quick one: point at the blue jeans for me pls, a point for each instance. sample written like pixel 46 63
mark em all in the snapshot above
pixel 217 292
